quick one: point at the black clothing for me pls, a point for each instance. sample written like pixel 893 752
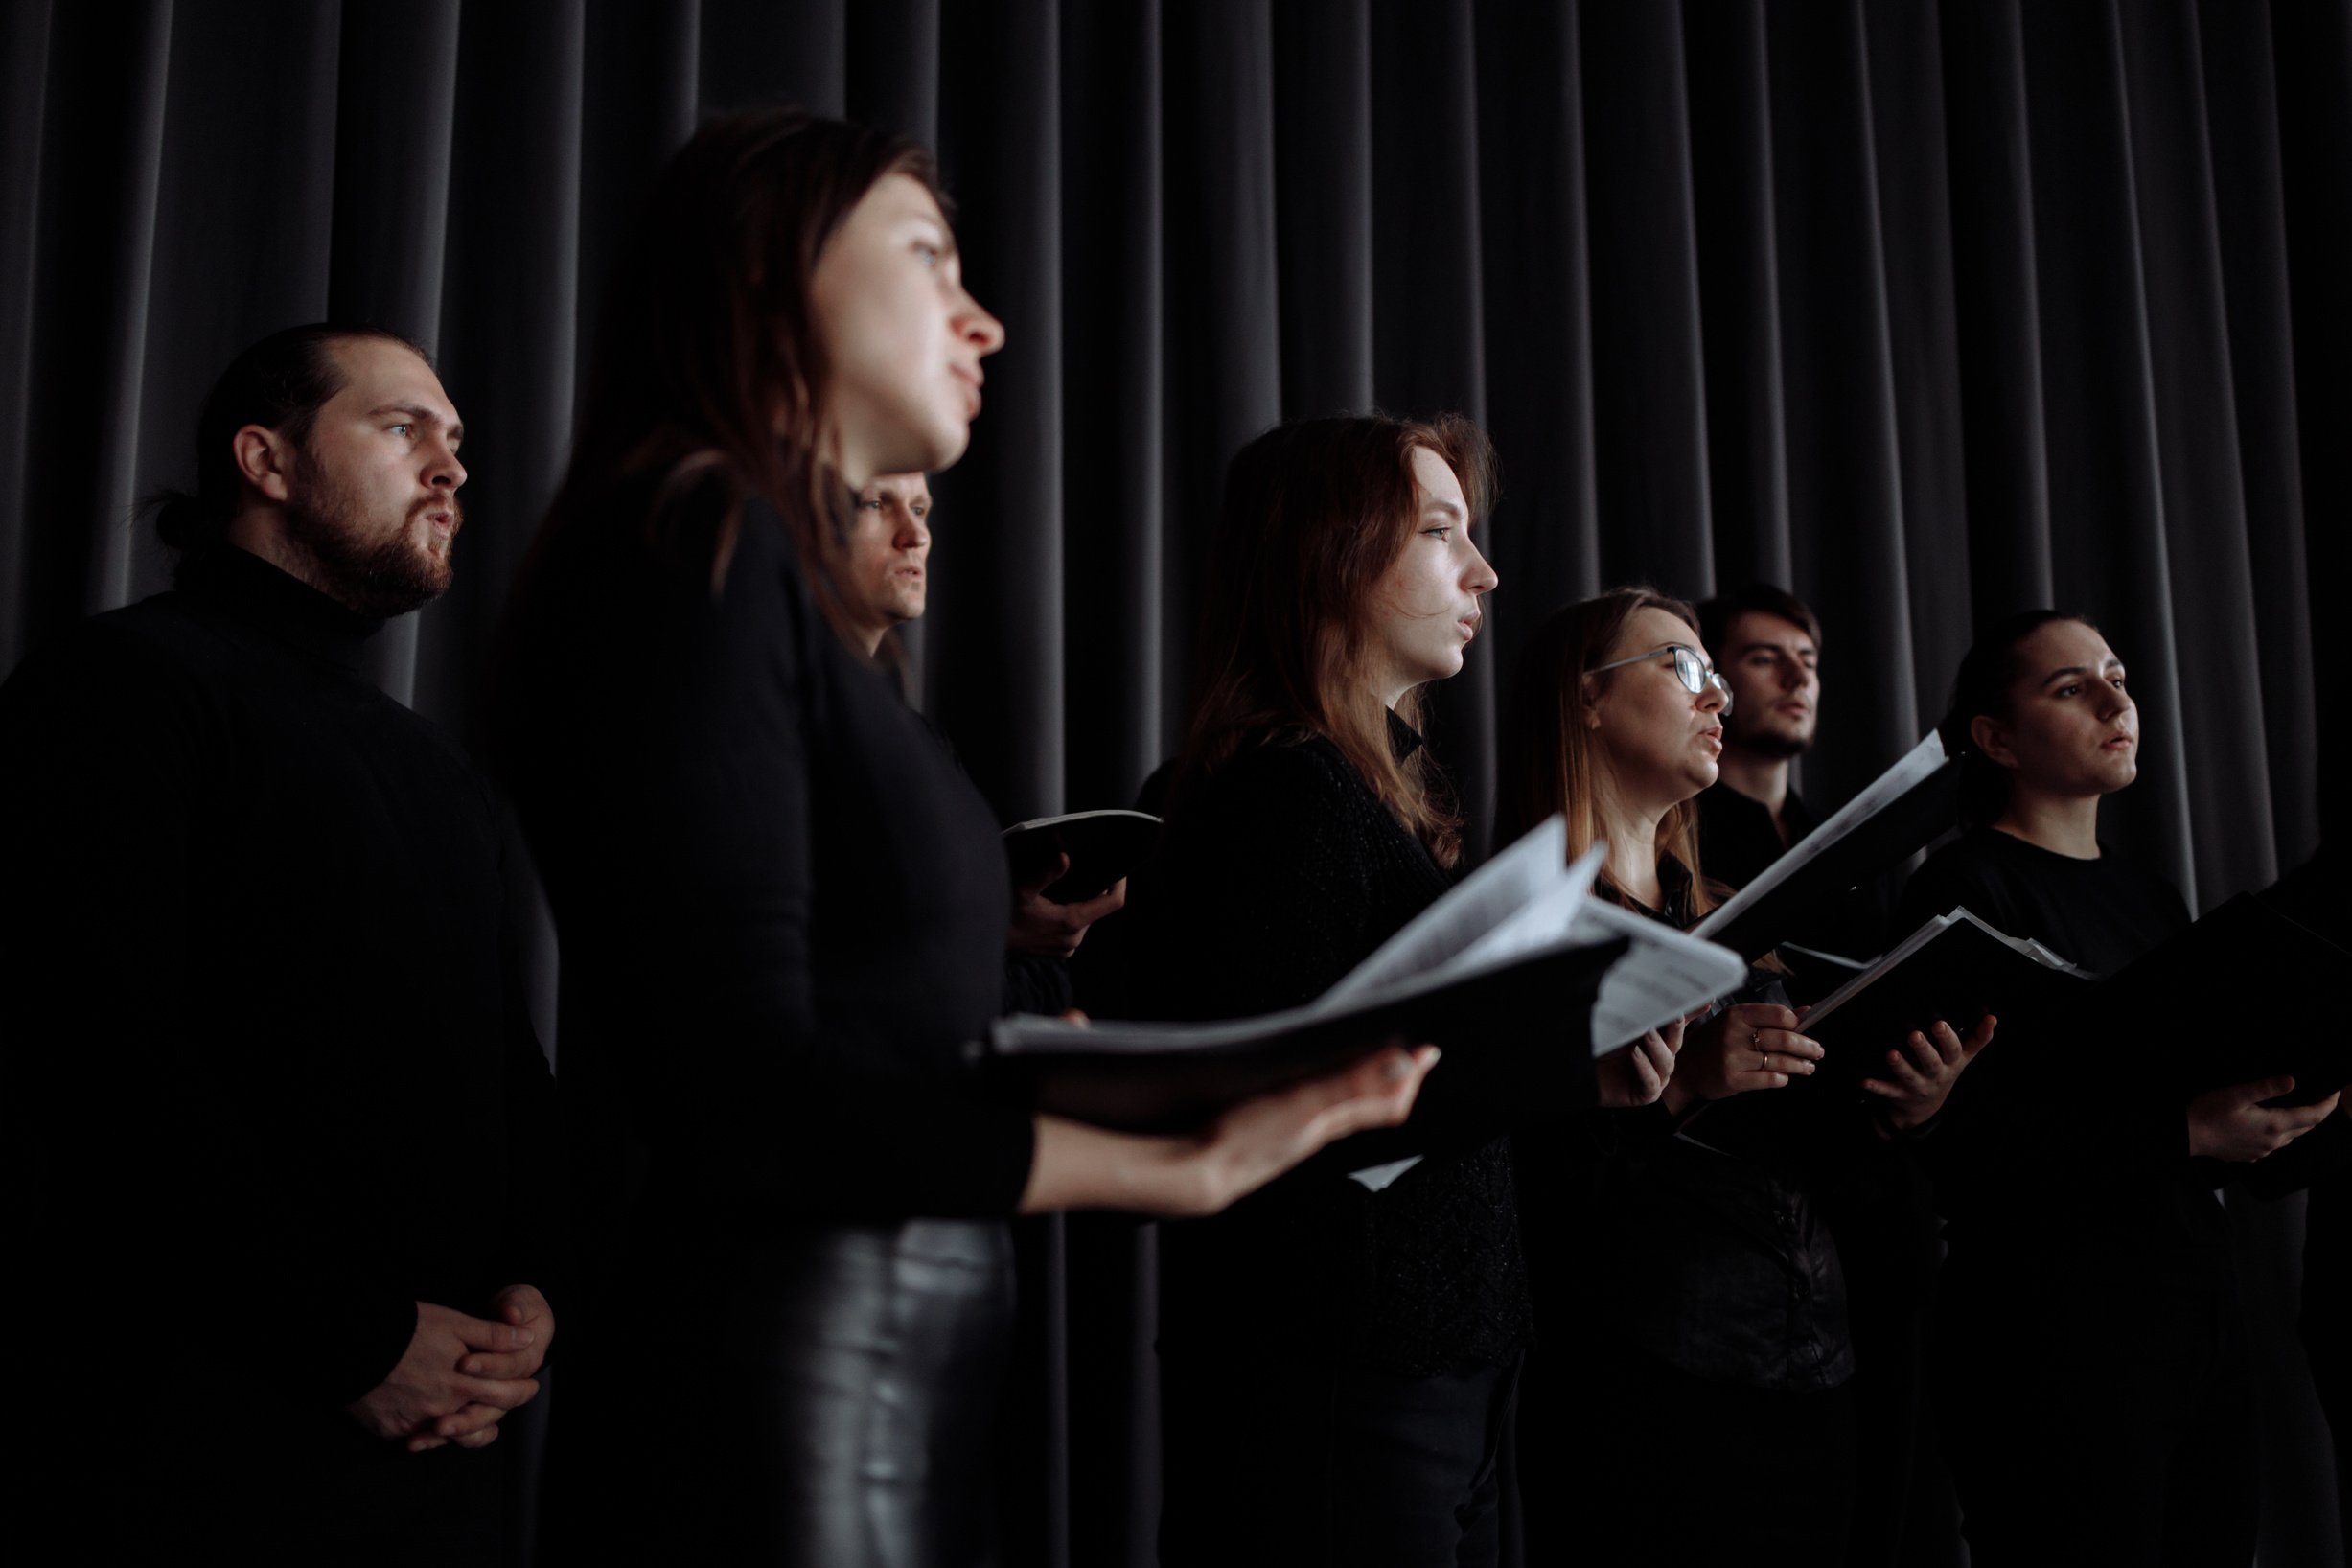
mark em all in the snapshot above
pixel 1714 1255
pixel 268 1062
pixel 1881 1210
pixel 2090 1280
pixel 1365 1337
pixel 864 1366
pixel 1776 1485
pixel 1273 878
pixel 1319 1464
pixel 1737 840
pixel 783 912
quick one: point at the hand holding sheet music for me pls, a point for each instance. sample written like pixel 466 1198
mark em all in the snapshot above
pixel 1503 969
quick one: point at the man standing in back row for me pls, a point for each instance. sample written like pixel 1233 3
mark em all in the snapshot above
pixel 274 1104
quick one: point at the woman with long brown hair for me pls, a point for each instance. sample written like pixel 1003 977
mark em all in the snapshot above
pixel 783 907
pixel 1339 1354
pixel 1709 1270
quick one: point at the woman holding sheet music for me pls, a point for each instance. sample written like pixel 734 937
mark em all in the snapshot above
pixel 1339 1352
pixel 2093 1394
pixel 783 907
pixel 1719 1287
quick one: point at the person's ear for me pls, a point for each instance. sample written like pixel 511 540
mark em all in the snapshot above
pixel 1588 700
pixel 1991 737
pixel 265 458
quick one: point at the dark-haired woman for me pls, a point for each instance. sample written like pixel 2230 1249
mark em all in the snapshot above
pixel 2093 1394
pixel 782 907
pixel 1338 1355
pixel 1710 1275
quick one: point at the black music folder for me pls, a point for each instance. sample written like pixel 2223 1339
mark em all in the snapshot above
pixel 1103 847
pixel 1903 809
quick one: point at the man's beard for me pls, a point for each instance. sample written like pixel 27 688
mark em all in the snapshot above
pixel 1776 744
pixel 377 577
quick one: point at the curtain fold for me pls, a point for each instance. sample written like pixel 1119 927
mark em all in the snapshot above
pixel 1929 311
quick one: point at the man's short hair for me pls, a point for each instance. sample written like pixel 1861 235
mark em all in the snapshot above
pixel 280 384
pixel 1715 614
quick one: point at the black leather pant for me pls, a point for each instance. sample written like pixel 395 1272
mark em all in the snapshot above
pixel 819 1396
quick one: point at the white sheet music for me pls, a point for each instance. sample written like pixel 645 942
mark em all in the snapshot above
pixel 1663 976
pixel 1891 786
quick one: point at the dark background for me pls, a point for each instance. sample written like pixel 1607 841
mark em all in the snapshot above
pixel 1928 311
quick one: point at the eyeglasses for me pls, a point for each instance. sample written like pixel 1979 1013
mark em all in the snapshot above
pixel 1690 668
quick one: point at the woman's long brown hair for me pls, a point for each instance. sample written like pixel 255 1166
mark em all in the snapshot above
pixel 708 366
pixel 1316 510
pixel 1546 761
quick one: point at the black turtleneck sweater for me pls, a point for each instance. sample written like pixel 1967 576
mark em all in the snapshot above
pixel 270 1079
pixel 1275 876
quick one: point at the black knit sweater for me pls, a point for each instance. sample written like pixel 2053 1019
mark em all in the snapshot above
pixel 1277 874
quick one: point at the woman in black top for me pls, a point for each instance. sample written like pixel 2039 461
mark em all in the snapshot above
pixel 782 907
pixel 1338 1353
pixel 1710 1275
pixel 2092 1389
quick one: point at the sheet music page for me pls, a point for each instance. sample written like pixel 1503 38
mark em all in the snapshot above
pixel 1891 786
pixel 1525 874
pixel 1664 975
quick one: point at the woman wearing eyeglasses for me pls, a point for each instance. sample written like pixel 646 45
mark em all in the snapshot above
pixel 1713 1281
pixel 2094 1391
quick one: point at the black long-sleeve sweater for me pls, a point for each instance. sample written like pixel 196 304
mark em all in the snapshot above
pixel 2064 1157
pixel 1274 877
pixel 267 1060
pixel 782 905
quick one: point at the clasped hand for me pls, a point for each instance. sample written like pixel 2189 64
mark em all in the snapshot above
pixel 461 1375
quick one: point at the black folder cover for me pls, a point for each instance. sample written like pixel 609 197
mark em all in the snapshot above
pixel 2249 992
pixel 1515 1037
pixel 1103 847
pixel 1960 973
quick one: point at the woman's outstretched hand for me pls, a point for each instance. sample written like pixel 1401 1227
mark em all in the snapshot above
pixel 1246 1145
pixel 1749 1046
pixel 2232 1122
pixel 1638 1073
pixel 1920 1075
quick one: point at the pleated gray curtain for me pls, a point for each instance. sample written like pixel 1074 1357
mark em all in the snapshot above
pixel 1929 311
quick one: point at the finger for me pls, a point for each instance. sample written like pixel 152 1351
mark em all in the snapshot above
pixel 2261 1089
pixel 1672 1034
pixel 521 1363
pixel 1979 1037
pixel 1921 1055
pixel 1109 903
pixel 498 1338
pixel 1384 1103
pixel 1765 1015
pixel 465 1422
pixel 505 1392
pixel 1907 1077
pixel 425 1442
pixel 1046 879
pixel 1783 1043
pixel 1945 1041
pixel 483 1438
pixel 1885 1091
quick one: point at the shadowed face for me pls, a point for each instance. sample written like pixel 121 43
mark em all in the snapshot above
pixel 1774 671
pixel 1426 608
pixel 1658 741
pixel 888 545
pixel 2072 729
pixel 903 342
pixel 371 492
